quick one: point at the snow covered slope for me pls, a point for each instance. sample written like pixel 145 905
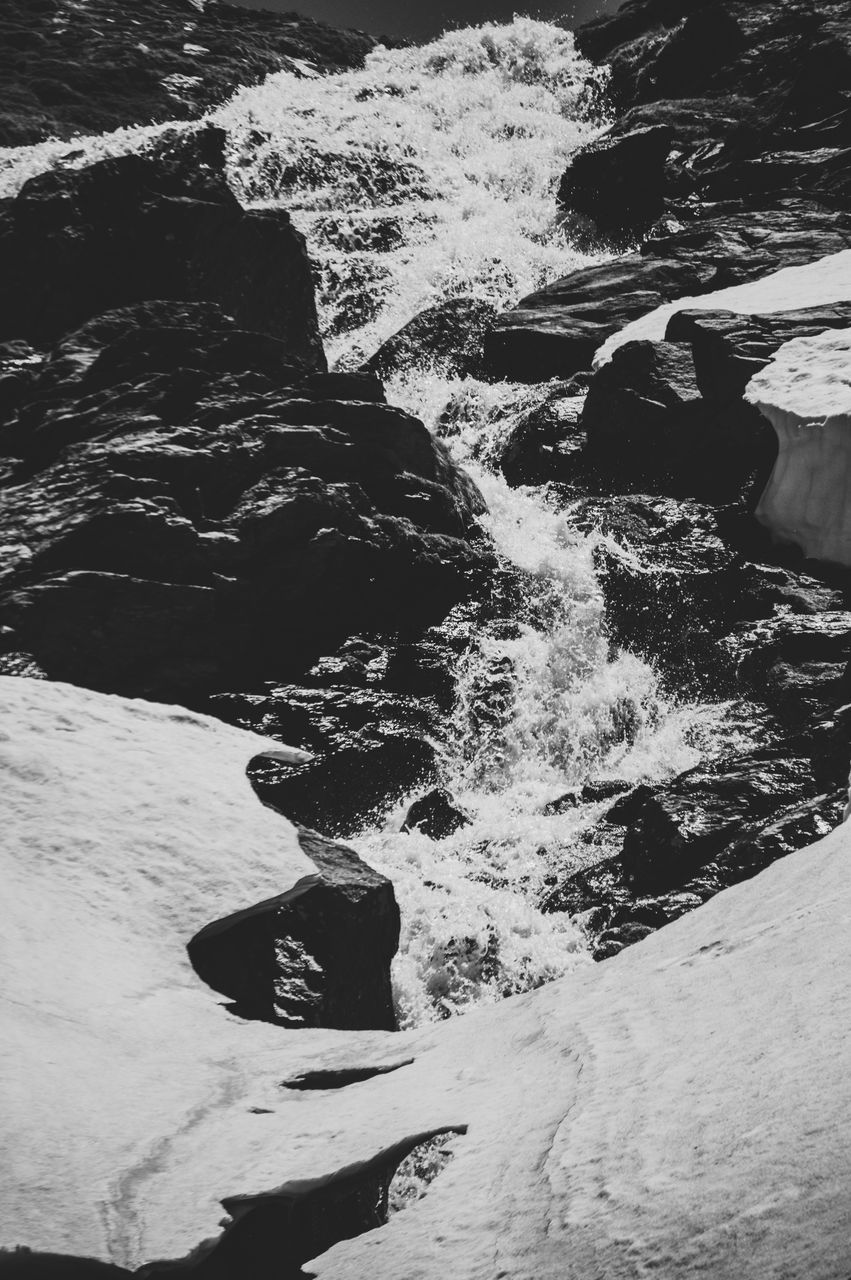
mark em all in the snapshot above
pixel 817 283
pixel 805 392
pixel 681 1110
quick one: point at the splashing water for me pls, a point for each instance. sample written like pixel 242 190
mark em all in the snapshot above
pixel 426 175
pixel 430 174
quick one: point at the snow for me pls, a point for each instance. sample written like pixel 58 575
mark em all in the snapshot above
pixel 819 283
pixel 682 1109
pixel 805 392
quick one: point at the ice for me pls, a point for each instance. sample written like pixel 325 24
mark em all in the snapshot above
pixel 805 392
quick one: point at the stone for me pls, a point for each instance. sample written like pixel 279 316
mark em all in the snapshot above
pixel 317 955
pixel 647 422
pixel 190 515
pixel 76 243
pixel 436 815
pixel 449 338
pixel 617 183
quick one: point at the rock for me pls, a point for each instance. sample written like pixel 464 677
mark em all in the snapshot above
pixel 648 424
pixel 77 243
pixel 316 956
pixel 191 516
pixel 546 442
pixel 449 337
pixel 173 62
pixel 560 328
pixel 805 393
pixel 673 587
pixel 436 815
pixel 728 349
pixel 619 913
pixel 687 823
pixel 618 182
pixel 556 331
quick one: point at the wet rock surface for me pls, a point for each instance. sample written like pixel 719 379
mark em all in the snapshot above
pixel 317 956
pixel 732 137
pixel 165 225
pixel 188 508
pixel 79 69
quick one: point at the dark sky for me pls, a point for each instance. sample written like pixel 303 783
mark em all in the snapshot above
pixel 390 17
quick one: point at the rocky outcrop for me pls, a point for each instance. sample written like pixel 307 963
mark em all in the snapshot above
pixel 448 338
pixel 316 956
pixel 69 69
pixel 805 393
pixel 672 415
pixel 729 159
pixel 76 243
pixel 190 512
pixel 558 330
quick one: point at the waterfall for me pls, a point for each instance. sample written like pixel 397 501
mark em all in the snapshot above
pixel 430 174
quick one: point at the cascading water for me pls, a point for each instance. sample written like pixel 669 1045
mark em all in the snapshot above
pixel 428 175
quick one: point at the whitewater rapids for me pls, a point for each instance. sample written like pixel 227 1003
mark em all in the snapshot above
pixel 427 175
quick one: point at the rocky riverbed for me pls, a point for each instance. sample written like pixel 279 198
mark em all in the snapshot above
pixel 402 426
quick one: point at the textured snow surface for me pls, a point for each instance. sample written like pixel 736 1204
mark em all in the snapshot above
pixel 816 284
pixel 682 1109
pixel 805 392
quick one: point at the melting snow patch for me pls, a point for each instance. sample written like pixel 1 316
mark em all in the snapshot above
pixel 819 283
pixel 805 392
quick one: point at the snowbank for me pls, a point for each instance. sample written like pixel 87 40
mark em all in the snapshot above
pixel 817 283
pixel 805 392
pixel 682 1109
pixel 127 827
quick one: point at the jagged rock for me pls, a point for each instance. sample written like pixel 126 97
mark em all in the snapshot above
pixel 689 822
pixel 68 70
pixel 557 330
pixel 190 514
pixel 316 956
pixel 805 393
pixel 618 912
pixel 546 442
pixel 436 815
pixel 728 349
pixel 370 750
pixel 647 423
pixel 618 182
pixel 77 243
pixel 449 337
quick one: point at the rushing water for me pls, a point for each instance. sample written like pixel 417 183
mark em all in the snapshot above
pixel 427 175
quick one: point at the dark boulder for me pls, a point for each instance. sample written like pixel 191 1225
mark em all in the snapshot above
pixel 687 823
pixel 316 956
pixel 370 749
pixel 436 815
pixel 648 424
pixel 618 912
pixel 618 183
pixel 546 441
pixel 66 71
pixel 557 330
pixel 449 338
pixel 190 514
pixel 77 243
